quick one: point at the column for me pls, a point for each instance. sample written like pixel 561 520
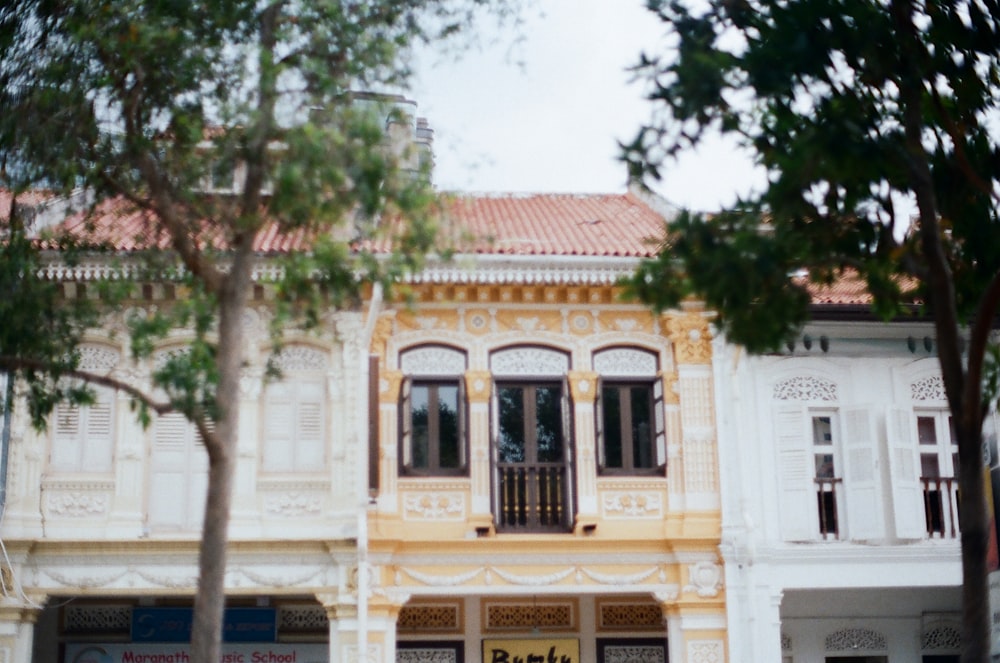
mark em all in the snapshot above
pixel 342 613
pixel 478 387
pixel 390 383
pixel 583 388
pixel 17 623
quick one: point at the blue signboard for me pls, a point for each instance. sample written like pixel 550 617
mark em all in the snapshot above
pixel 174 625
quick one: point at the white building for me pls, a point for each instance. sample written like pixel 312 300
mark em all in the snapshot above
pixel 840 522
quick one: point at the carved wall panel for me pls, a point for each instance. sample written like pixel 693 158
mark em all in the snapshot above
pixel 431 618
pixel 527 614
pixel 629 616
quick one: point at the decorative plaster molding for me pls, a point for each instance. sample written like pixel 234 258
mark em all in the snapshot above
pixel 285 580
pixel 627 579
pixel 705 651
pixel 633 504
pixel 294 503
pixel 84 581
pixel 76 504
pixel 630 362
pixel 96 358
pixel 805 388
pixel 928 389
pixel 298 357
pixel 432 360
pixel 435 506
pixel 439 581
pixel 691 338
pixel 533 580
pixel 705 579
pixel 529 361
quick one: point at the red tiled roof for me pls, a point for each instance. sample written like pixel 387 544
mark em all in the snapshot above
pixel 26 199
pixel 608 225
pixel 850 290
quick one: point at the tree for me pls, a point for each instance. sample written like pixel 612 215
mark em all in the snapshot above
pixel 141 104
pixel 857 110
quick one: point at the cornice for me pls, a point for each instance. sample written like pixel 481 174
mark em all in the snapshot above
pixel 462 269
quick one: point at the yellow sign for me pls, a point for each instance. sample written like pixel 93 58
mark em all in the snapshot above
pixel 539 650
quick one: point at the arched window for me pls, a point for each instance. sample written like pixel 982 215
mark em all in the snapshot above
pixel 83 436
pixel 295 412
pixel 630 423
pixel 432 412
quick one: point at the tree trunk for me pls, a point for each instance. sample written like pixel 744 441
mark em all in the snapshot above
pixel 221 444
pixel 974 522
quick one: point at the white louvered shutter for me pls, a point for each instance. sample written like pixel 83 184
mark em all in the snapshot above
pixel 310 426
pixel 904 471
pixel 168 507
pixel 861 484
pixel 82 436
pixel 66 438
pixel 279 428
pixel 98 433
pixel 796 488
pixel 178 475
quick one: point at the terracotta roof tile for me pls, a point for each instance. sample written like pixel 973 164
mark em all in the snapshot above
pixel 27 199
pixel 850 290
pixel 618 225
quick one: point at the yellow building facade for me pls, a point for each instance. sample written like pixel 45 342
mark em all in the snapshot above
pixel 578 518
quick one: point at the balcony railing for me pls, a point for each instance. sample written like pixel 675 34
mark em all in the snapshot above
pixel 827 493
pixel 533 498
pixel 941 507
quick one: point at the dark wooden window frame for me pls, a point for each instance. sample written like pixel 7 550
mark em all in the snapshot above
pixel 433 468
pixel 628 461
pixel 546 489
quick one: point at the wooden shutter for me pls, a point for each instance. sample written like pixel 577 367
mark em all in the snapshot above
pixel 865 520
pixel 67 440
pixel 463 440
pixel 659 425
pixel 405 423
pixel 904 472
pixel 310 426
pixel 98 431
pixel 82 438
pixel 599 425
pixel 279 428
pixel 796 488
pixel 170 472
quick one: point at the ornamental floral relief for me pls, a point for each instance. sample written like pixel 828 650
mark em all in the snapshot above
pixel 529 361
pixel 300 358
pixel 432 360
pixel 434 506
pixel 805 388
pixel 626 505
pixel 625 362
pixel 76 504
pixel 293 504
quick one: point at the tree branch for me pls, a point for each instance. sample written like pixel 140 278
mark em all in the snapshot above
pixel 958 140
pixel 20 363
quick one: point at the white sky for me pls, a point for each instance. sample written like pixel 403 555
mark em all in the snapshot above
pixel 543 114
